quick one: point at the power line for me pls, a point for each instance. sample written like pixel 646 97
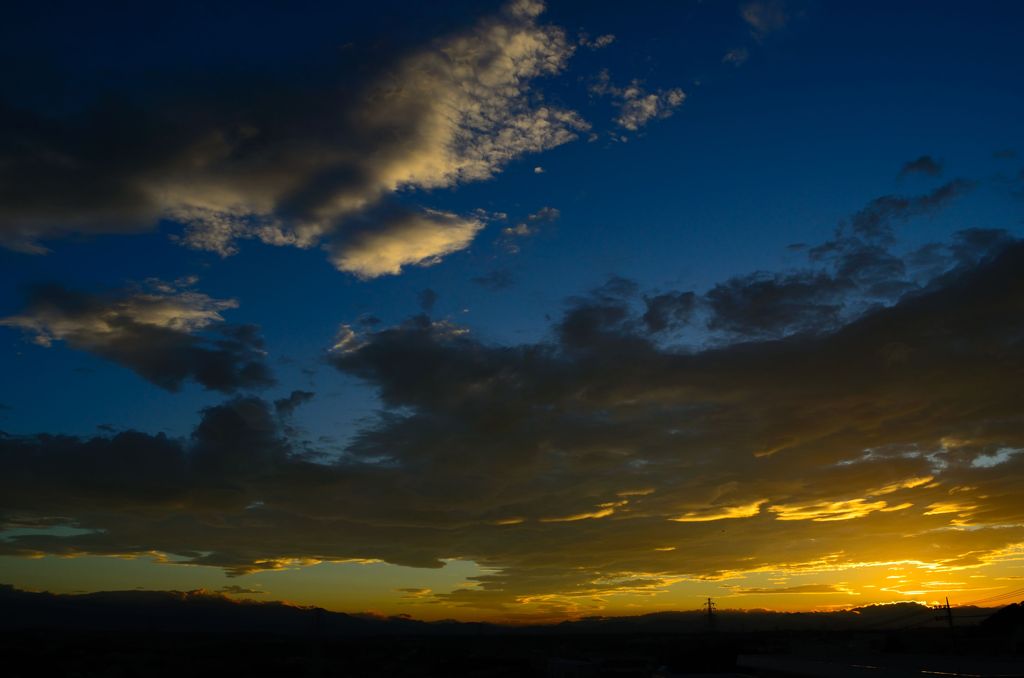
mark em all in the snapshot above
pixel 995 598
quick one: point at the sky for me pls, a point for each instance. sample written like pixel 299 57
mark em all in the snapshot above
pixel 514 311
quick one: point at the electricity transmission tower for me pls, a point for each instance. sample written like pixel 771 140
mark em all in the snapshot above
pixel 710 608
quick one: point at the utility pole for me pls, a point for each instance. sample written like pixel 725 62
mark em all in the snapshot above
pixel 948 617
pixel 710 607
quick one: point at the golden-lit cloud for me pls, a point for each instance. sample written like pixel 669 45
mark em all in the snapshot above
pixel 939 508
pixel 602 511
pixel 723 513
pixel 412 239
pixel 802 589
pixel 830 510
pixel 907 484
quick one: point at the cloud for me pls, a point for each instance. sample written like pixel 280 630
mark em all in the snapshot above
pixel 235 590
pixel 766 304
pixel 403 238
pixel 496 280
pixel 721 513
pixel 294 164
pixel 286 406
pixel 877 218
pixel 926 165
pixel 802 589
pixel 668 310
pixel 427 299
pixel 562 467
pixel 637 106
pixel 545 214
pixel 736 57
pixel 600 42
pixel 828 511
pixel 765 16
pixel 527 228
pixel 415 593
pixel 165 333
pixel 847 274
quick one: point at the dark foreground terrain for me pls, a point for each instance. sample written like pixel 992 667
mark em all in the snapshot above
pixel 156 634
pixel 140 653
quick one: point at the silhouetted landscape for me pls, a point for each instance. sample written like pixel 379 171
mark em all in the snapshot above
pixel 169 633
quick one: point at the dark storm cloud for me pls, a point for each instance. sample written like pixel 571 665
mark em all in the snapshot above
pixel 292 159
pixel 926 165
pixel 597 462
pixel 167 334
